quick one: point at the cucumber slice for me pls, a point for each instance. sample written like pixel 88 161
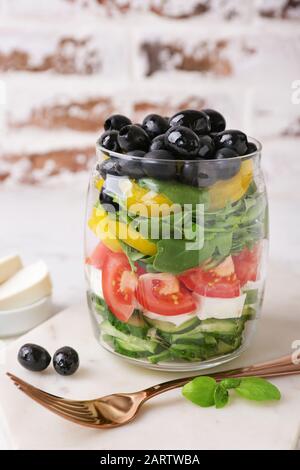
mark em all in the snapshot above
pixel 194 337
pixel 162 356
pixel 226 348
pixel 229 327
pixel 145 345
pixel 135 326
pixel 192 352
pixel 130 350
pixel 168 327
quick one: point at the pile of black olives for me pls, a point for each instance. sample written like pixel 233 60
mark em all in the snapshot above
pixel 184 147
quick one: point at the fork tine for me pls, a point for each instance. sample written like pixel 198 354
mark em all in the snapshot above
pixel 61 405
pixel 48 401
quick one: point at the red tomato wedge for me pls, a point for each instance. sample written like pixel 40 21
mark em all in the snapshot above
pixel 211 284
pixel 162 293
pixel 246 264
pixel 99 256
pixel 118 285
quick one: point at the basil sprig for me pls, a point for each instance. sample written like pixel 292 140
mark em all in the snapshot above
pixel 205 391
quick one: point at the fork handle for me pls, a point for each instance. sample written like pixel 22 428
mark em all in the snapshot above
pixel 276 368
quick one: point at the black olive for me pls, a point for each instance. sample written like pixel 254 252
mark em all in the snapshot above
pixel 66 361
pixel 217 121
pixel 233 139
pixel 227 165
pixel 206 147
pixel 197 121
pixel 199 173
pixel 158 143
pixel 107 202
pixel 136 153
pixel 183 141
pixel 133 137
pixel 155 125
pixel 251 148
pixel 34 357
pixel 132 168
pixel 159 169
pixel 109 167
pixel 109 140
pixel 116 122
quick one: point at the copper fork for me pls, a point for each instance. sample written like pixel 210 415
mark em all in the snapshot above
pixel 121 408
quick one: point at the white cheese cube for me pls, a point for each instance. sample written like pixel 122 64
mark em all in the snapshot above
pixel 215 307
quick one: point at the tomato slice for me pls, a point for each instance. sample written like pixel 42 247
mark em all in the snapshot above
pixel 210 283
pixel 118 285
pixel 98 256
pixel 162 293
pixel 246 264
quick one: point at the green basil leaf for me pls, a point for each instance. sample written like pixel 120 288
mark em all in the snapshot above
pixel 258 389
pixel 221 396
pixel 230 383
pixel 200 391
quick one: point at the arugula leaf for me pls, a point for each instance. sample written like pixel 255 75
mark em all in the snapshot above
pixel 200 391
pixel 221 396
pixel 258 389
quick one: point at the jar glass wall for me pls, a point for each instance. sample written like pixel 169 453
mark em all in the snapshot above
pixel 176 257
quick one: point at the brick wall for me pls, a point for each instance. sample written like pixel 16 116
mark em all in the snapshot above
pixel 67 64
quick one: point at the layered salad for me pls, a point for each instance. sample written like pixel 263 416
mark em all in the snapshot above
pixel 176 238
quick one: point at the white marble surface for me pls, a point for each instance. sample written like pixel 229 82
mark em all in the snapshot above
pixel 48 223
pixel 241 425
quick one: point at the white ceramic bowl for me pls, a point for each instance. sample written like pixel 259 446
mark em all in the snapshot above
pixel 18 321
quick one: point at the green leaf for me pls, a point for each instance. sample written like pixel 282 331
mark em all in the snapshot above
pixel 230 383
pixel 258 389
pixel 174 257
pixel 200 391
pixel 221 396
pixel 132 254
pixel 224 243
pixel 178 193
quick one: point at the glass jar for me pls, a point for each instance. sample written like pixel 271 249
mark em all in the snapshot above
pixel 175 257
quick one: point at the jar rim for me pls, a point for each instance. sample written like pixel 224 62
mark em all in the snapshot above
pixel 125 156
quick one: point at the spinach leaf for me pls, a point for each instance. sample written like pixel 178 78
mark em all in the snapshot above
pixel 258 389
pixel 174 257
pixel 200 391
pixel 178 193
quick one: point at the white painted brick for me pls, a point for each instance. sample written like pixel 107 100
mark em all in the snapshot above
pixel 55 101
pixel 86 49
pixel 250 57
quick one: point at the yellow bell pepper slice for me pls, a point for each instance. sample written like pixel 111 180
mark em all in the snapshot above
pixel 109 231
pixel 98 183
pixel 101 230
pixel 233 189
pixel 140 200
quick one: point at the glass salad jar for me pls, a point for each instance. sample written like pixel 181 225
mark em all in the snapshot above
pixel 175 257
